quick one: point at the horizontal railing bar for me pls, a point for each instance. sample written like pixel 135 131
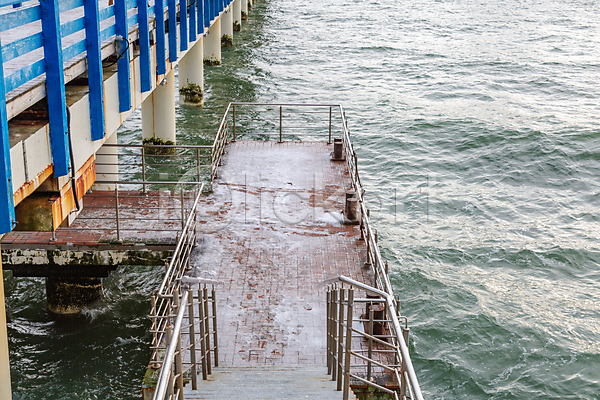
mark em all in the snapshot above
pixel 372 384
pixel 367 359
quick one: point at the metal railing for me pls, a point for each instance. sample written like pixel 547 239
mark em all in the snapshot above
pixel 386 349
pixel 143 191
pixel 176 343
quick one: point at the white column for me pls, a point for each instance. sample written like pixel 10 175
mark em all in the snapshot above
pixel 237 14
pixel 244 11
pixel 212 44
pixel 158 111
pixel 227 24
pixel 191 67
pixel 5 390
pixel 107 155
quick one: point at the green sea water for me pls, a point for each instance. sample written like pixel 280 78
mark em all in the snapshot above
pixel 476 127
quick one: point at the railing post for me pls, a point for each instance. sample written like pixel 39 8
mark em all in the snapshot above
pixel 144 43
pixel 55 86
pixel 207 329
pixel 192 331
pixel 94 68
pixel 280 124
pixel 328 331
pixel 178 357
pixel 117 212
pixel 329 141
pixel 347 358
pixel 7 204
pixel 340 350
pixel 405 332
pixel 201 317
pixel 122 46
pixel 154 327
pixel 215 335
pixel 181 195
pixel 234 124
pixel 197 165
pixel 334 339
pixel 144 170
pixel 171 385
pixel 370 350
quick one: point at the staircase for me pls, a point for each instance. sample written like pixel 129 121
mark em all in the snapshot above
pixel 266 383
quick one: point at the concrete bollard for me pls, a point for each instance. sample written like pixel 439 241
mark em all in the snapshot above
pixel 338 150
pixel 350 209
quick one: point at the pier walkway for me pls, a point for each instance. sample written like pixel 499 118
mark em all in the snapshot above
pixel 299 288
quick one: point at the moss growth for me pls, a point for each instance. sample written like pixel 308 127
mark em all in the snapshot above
pixel 226 41
pixel 237 26
pixel 158 142
pixel 211 62
pixel 192 93
pixel 244 16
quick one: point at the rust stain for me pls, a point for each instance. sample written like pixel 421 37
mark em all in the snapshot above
pixel 29 187
pixel 84 179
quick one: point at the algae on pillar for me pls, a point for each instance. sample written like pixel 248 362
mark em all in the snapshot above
pixel 70 295
pixel 191 74
pixel 5 389
pixel 227 28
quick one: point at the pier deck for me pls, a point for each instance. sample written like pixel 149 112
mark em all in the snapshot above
pixel 272 236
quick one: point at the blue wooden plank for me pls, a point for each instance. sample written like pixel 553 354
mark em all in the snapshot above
pixel 144 41
pixel 73 50
pixel 55 87
pixel 161 65
pixel 133 20
pixel 19 17
pixel 172 30
pixel 24 75
pixel 200 17
pixel 207 12
pixel 94 68
pixel 71 27
pixel 66 5
pixel 21 46
pixel 131 4
pixel 107 32
pixel 183 25
pixel 123 51
pixel 107 12
pixel 7 205
pixel 192 10
pixel 4 3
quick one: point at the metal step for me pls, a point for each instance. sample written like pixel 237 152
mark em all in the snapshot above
pixel 266 383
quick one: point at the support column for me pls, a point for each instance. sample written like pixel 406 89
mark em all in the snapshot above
pixel 107 164
pixel 227 28
pixel 212 44
pixel 158 111
pixel 5 390
pixel 244 10
pixel 237 15
pixel 191 74
pixel 69 295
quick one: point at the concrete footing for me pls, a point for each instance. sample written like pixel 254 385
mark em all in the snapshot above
pixel 70 295
pixel 158 111
pixel 212 44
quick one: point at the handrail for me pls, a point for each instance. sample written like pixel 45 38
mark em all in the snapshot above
pixel 161 387
pixel 397 329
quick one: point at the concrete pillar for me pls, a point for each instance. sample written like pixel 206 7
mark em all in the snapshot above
pixel 69 295
pixel 5 390
pixel 158 111
pixel 227 28
pixel 244 11
pixel 107 155
pixel 212 44
pixel 191 74
pixel 237 15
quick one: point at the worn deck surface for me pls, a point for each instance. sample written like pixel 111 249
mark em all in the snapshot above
pixel 267 383
pixel 272 237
